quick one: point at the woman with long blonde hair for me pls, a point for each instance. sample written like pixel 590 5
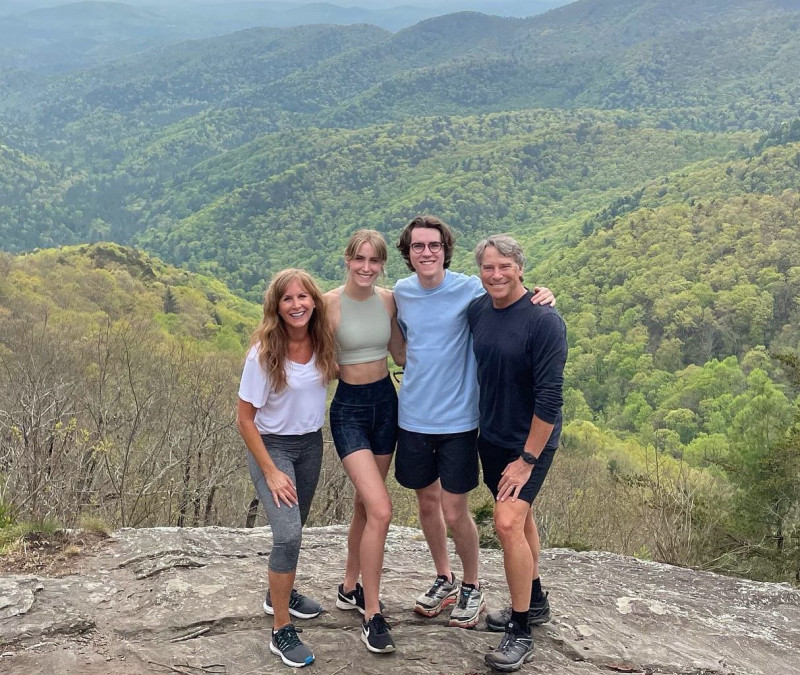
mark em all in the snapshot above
pixel 281 410
pixel 363 420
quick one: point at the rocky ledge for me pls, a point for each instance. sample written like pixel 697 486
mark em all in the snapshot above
pixel 189 601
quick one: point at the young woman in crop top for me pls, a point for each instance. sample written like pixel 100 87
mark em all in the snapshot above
pixel 363 419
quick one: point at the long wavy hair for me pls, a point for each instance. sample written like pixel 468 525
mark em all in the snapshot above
pixel 272 338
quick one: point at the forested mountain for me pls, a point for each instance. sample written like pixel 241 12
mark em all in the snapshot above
pixel 646 153
pixel 486 174
pixel 116 379
pixel 227 213
pixel 66 36
pixel 134 127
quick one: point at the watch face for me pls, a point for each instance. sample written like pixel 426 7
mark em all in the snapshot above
pixel 529 458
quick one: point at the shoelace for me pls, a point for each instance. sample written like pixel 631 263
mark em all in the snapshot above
pixel 379 625
pixel 505 642
pixel 295 599
pixel 286 637
pixel 440 581
pixel 508 641
pixel 463 597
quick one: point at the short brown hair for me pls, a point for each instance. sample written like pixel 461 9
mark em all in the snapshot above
pixel 431 222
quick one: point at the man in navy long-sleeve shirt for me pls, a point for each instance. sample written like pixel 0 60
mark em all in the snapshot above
pixel 521 350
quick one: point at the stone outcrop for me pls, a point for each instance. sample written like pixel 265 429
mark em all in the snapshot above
pixel 189 601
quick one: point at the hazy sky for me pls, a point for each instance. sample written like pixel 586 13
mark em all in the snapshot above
pixel 342 3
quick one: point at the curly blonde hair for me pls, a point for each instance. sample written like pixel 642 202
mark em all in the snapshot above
pixel 273 340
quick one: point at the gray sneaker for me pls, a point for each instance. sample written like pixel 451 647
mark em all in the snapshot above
pixel 300 606
pixel 468 607
pixel 287 645
pixel 514 649
pixel 437 597
pixel 538 614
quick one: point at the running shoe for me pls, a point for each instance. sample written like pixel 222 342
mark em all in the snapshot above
pixel 376 634
pixel 300 606
pixel 354 599
pixel 515 648
pixel 437 597
pixel 468 607
pixel 538 614
pixel 288 646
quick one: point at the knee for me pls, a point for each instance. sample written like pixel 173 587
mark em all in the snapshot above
pixel 381 514
pixel 285 550
pixel 508 528
pixel 429 503
pixel 456 516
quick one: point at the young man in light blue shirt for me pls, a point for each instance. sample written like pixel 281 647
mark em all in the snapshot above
pixel 438 411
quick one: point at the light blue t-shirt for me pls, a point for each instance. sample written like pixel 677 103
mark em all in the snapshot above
pixel 439 394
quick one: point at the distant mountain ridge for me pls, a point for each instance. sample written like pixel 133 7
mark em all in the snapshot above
pixel 588 54
pixel 154 147
pixel 73 35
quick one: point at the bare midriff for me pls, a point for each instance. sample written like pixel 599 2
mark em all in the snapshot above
pixel 364 373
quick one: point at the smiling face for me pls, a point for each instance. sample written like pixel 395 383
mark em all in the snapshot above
pixel 364 268
pixel 501 277
pixel 429 265
pixel 296 306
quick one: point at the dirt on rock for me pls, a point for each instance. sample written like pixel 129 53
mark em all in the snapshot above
pixel 53 554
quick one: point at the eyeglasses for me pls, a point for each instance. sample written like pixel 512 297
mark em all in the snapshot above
pixel 433 247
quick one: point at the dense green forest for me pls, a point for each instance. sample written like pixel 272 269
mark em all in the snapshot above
pixel 646 153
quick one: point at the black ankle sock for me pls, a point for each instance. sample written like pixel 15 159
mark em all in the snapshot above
pixel 521 619
pixel 536 590
pixel 470 586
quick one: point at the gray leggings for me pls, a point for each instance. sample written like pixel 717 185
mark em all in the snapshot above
pixel 300 458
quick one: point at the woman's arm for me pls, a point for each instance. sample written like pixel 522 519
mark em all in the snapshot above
pixel 397 342
pixel 281 486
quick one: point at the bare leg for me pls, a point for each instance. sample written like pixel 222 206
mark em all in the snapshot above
pixel 510 521
pixel 431 518
pixel 532 537
pixel 465 533
pixel 280 589
pixel 368 478
pixel 352 568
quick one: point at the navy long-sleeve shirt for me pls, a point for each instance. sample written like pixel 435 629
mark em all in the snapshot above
pixel 521 351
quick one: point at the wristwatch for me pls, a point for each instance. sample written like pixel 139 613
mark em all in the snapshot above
pixel 528 458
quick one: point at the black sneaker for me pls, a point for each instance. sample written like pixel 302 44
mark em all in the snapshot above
pixel 538 614
pixel 354 599
pixel 514 649
pixel 300 606
pixel 375 634
pixel 288 646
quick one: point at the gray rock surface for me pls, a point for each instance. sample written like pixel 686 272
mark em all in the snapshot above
pixel 189 601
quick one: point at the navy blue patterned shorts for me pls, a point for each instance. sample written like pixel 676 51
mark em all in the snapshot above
pixel 364 416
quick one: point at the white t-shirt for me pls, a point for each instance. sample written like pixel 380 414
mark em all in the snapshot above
pixel 298 409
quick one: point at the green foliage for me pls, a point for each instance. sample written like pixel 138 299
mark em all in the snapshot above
pixel 646 155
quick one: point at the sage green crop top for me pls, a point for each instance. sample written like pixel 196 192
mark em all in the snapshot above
pixel 364 330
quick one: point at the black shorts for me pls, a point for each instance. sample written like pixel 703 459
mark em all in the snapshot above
pixel 494 460
pixel 364 416
pixel 422 458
